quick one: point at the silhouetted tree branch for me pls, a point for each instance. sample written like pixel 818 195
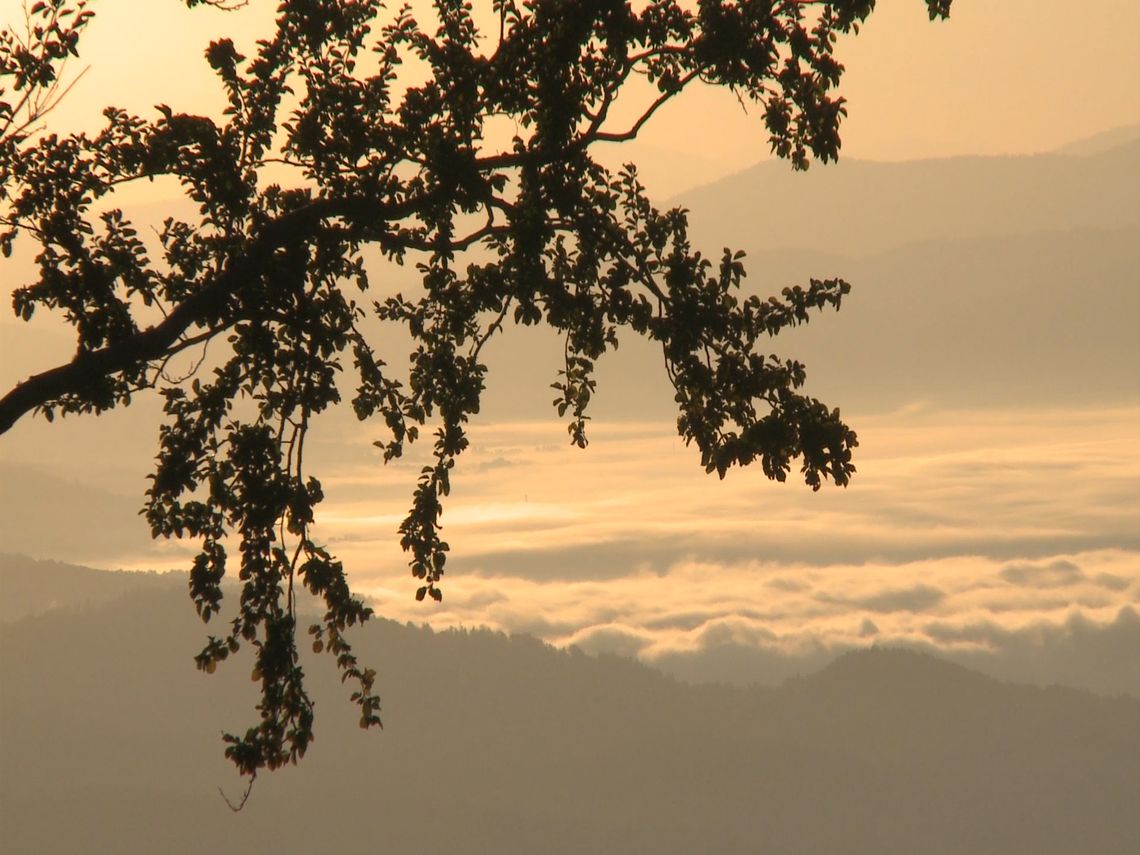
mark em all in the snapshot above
pixel 534 230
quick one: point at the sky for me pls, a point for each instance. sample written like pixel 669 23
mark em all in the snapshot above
pixel 1016 76
pixel 968 524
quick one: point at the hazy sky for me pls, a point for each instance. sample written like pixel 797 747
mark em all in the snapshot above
pixel 1012 76
pixel 960 525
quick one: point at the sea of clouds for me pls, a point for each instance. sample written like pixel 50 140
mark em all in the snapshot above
pixel 986 535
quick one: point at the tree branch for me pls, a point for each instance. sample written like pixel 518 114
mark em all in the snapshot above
pixel 88 368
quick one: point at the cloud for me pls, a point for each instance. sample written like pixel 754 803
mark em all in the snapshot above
pixel 1057 574
pixel 496 463
pixel 1113 583
pixel 683 621
pixel 790 584
pixel 618 640
pixel 912 599
pixel 1019 487
pixel 733 629
pixel 696 614
pixel 953 522
pixel 1078 651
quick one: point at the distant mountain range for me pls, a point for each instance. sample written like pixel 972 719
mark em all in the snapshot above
pixel 856 207
pixel 109 744
pixel 977 281
pixel 1103 141
pixel 29 588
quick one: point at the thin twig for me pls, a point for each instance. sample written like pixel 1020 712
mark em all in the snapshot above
pixel 244 797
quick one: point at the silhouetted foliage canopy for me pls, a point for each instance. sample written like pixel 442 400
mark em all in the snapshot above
pixel 356 129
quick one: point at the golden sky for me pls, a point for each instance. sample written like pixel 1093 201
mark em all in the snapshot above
pixel 1012 76
pixel 961 520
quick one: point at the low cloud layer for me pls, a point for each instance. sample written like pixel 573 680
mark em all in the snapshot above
pixel 742 623
pixel 1018 485
pixel 1019 522
pixel 998 537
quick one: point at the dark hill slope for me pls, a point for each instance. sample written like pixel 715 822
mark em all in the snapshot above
pixel 31 587
pixel 108 743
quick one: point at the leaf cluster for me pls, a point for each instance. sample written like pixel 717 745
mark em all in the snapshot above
pixel 328 154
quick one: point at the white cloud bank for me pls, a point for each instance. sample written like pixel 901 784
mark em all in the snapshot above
pixel 985 535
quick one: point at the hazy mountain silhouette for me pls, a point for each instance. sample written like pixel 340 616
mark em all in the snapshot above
pixel 29 587
pixel 857 207
pixel 1044 319
pixel 67 517
pixel 1036 319
pixel 978 281
pixel 109 743
pixel 1103 141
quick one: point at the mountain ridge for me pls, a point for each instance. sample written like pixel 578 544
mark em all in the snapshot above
pixel 498 744
pixel 859 207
